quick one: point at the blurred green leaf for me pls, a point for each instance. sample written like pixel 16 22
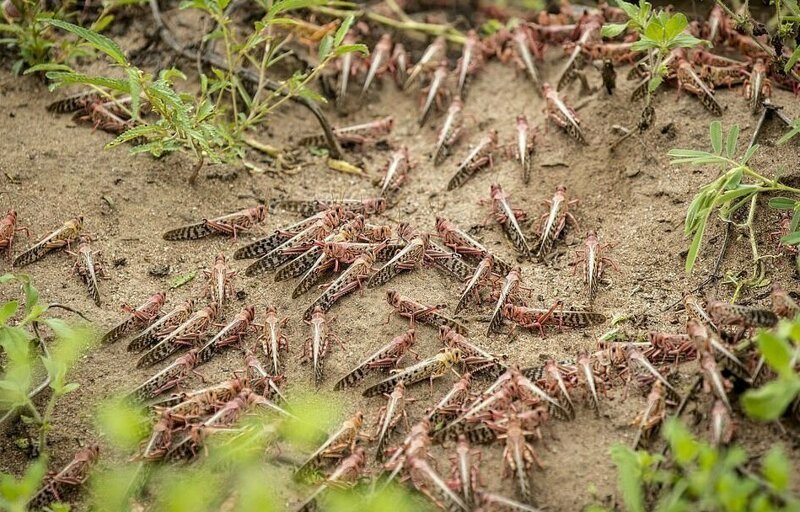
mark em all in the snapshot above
pixel 777 469
pixel 98 41
pixel 629 477
pixel 715 130
pixel 8 310
pixel 612 30
pixel 782 203
pixel 770 401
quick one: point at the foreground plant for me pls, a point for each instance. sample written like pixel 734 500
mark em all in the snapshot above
pixel 736 189
pixel 18 391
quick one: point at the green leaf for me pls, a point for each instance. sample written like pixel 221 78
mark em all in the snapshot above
pixel 342 30
pixel 31 294
pixel 694 247
pixel 792 60
pixel 134 133
pixel 629 477
pixel 47 66
pixel 630 9
pixel 291 5
pixel 8 310
pixel 749 153
pixel 135 87
pixel 686 41
pixel 612 30
pixel 182 280
pixel 776 351
pixel 98 41
pixel 350 48
pixel 68 78
pixel 777 469
pixel 644 43
pixel 675 25
pixel 791 238
pixel 715 130
pixel 795 224
pixel 325 46
pixel 794 131
pixel 733 136
pixel 654 83
pixel 770 401
pixel 782 203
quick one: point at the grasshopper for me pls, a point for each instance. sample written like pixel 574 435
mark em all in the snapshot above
pixel 430 483
pixel 521 53
pixel 586 372
pixel 518 455
pixel 450 132
pixel 783 304
pixel 435 53
pixel 8 231
pixel 449 261
pixel 380 61
pixel 260 378
pixel 555 220
pixel 525 147
pixel 725 313
pixel 230 225
pixel 369 206
pixel 452 402
pixel 142 316
pixel 757 87
pixel 649 420
pixel 476 359
pixel 188 333
pixel 348 471
pixel 333 447
pixel 479 157
pixel 362 133
pixel 350 280
pixel 589 29
pixel 507 217
pixel 554 378
pixel 162 327
pixel 465 470
pixel 316 346
pixel 482 275
pixel 385 357
pixel 273 342
pixel 721 424
pixel 220 285
pixel 510 288
pixel 350 64
pixel 89 268
pixel 470 62
pixel 267 244
pixel 409 258
pixel 688 79
pixel 389 416
pixel 561 114
pixel 437 92
pixel 399 65
pixel 417 312
pixel 58 239
pixel 429 369
pixel 75 102
pixel 74 474
pixel 464 244
pixel 593 262
pixel 396 171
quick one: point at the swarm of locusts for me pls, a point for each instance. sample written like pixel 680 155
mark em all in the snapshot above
pixel 337 247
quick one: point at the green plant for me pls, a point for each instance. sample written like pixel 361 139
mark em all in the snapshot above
pixel 19 339
pixel 781 350
pixel 737 187
pixel 659 33
pixel 700 477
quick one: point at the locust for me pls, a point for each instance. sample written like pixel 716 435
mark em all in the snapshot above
pixel 409 258
pixel 452 402
pixel 229 225
pixel 586 372
pixel 713 379
pixel 532 394
pixel 696 311
pixel 464 244
pixel 589 28
pixel 433 54
pixel 417 312
pixel 450 262
pixel 89 268
pixel 725 313
pixel 482 275
pixel 525 147
pixel 521 53
pixel 399 65
pixel 430 483
pixel 380 61
pixel 58 239
pixel 636 356
pixel 510 288
pixel 554 377
pixel 593 262
pixel 298 243
pixel 479 157
pixel 450 131
pixel 389 417
pixel 336 444
pixel 519 455
pixel 369 206
pixel 417 442
pixel 74 474
pixel 162 327
pixel 492 501
pixel 8 231
pixel 496 396
pixel 757 86
pixel 347 471
pixel 689 80
pixel 508 218
pixel 316 346
pixel 356 134
pixel 75 102
pixel 561 114
pixel 220 285
pixel 428 369
pixel 721 424
pixel 269 243
pixel 783 304
pixel 349 281
pixel 385 357
pixel 273 342
pixel 534 317
pixel 396 171
pixel 465 470
pixel 261 379
pixel 349 66
pixel 555 220
pixel 649 420
pixel 475 358
pixel 142 316
pixel 436 93
pixel 470 61
pixel 188 333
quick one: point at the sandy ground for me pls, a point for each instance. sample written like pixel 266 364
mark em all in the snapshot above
pixel 53 170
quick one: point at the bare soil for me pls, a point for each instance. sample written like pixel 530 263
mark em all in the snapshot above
pixel 53 170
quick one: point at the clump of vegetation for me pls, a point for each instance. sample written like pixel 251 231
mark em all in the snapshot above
pixel 698 476
pixel 735 190
pixel 23 331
